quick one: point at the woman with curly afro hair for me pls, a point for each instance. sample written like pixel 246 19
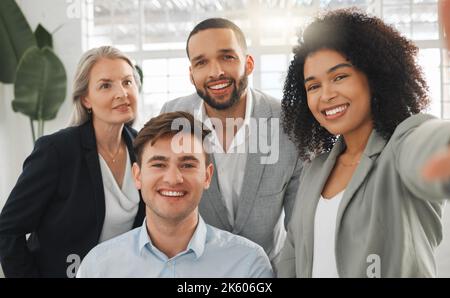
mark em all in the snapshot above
pixel 366 206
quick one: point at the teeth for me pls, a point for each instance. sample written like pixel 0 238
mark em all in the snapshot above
pixel 219 86
pixel 336 110
pixel 172 193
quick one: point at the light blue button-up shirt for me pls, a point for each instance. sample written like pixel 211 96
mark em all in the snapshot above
pixel 210 253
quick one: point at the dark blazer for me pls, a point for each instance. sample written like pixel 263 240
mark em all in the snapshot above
pixel 59 199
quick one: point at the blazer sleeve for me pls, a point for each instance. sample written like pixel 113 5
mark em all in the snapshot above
pixel 25 206
pixel 291 192
pixel 163 109
pixel 413 151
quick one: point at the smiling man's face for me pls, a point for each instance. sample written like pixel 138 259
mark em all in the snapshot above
pixel 219 67
pixel 172 183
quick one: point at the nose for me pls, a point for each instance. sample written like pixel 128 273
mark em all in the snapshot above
pixel 173 176
pixel 328 93
pixel 216 70
pixel 121 92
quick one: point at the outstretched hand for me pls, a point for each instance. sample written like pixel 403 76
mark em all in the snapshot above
pixel 437 168
pixel 444 11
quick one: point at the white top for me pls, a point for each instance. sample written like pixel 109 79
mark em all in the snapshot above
pixel 324 259
pixel 121 205
pixel 230 165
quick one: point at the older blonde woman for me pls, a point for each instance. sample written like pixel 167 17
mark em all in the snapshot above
pixel 76 188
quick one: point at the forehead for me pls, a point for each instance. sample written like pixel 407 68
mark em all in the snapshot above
pixel 106 67
pixel 321 61
pixel 174 147
pixel 210 41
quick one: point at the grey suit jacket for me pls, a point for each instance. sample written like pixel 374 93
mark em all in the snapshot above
pixel 389 220
pixel 266 189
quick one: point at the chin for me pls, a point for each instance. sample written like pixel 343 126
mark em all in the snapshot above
pixel 335 130
pixel 129 118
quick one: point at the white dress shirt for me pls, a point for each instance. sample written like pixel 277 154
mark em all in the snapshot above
pixel 230 165
pixel 121 205
pixel 324 258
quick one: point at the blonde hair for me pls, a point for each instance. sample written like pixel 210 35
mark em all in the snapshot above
pixel 81 81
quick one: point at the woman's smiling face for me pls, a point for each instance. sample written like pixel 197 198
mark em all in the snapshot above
pixel 338 94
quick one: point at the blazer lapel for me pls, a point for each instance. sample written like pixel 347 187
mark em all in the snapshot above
pixel 254 167
pixel 213 197
pixel 91 156
pixel 314 183
pixel 373 148
pixel 316 179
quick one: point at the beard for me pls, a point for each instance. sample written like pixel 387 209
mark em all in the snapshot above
pixel 235 96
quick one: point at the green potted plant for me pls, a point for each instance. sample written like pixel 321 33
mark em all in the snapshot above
pixel 29 62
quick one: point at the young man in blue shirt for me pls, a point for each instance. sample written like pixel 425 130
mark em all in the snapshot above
pixel 172 170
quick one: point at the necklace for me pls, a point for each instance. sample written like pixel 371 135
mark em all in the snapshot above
pixel 112 157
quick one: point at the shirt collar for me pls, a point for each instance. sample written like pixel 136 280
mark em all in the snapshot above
pixel 196 244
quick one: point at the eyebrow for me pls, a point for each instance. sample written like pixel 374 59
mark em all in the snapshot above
pixel 189 158
pixel 157 157
pixel 183 158
pixel 222 51
pixel 109 80
pixel 340 65
pixel 227 51
pixel 196 58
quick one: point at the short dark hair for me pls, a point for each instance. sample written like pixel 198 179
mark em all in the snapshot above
pixel 161 126
pixel 396 82
pixel 218 23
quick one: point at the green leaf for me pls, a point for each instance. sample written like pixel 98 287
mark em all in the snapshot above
pixel 43 37
pixel 15 38
pixel 40 86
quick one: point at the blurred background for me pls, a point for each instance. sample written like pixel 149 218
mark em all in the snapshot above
pixel 154 33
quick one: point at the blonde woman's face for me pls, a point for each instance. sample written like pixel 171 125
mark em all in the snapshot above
pixel 112 92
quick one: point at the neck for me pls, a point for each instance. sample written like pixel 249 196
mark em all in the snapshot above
pixel 171 237
pixel 108 136
pixel 230 128
pixel 356 141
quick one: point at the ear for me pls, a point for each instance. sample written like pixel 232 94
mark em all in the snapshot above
pixel 191 77
pixel 86 103
pixel 249 65
pixel 209 173
pixel 137 175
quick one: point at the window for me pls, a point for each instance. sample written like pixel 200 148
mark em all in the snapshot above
pixel 154 32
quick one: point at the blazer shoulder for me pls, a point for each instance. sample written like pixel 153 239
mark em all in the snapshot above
pixel 410 123
pixel 64 137
pixel 268 100
pixel 186 103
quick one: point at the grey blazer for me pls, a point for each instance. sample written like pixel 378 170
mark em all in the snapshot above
pixel 389 220
pixel 266 189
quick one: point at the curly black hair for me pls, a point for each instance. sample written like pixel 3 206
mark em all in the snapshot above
pixel 396 82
